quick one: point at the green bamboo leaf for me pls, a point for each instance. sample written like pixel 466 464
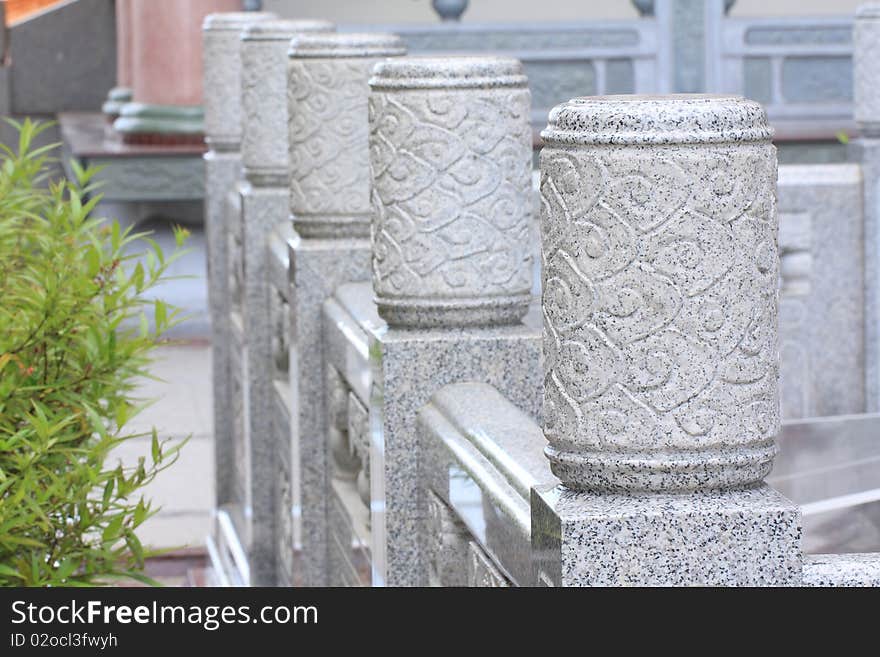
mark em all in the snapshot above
pixel 70 356
pixel 8 571
pixel 66 568
pixel 121 415
pixel 135 546
pixel 111 531
pixel 181 234
pixel 108 492
pixel 138 277
pixel 161 315
pixel 140 512
pixel 114 236
pixel 155 448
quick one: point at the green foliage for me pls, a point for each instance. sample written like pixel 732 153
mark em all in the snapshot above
pixel 74 337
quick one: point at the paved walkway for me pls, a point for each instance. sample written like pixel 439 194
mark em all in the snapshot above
pixel 182 406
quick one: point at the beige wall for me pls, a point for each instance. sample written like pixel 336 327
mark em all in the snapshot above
pixel 409 11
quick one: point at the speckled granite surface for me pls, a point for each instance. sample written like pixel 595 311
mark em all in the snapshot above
pixel 329 130
pixel 866 48
pixel 221 42
pixel 264 145
pixel 866 151
pixel 317 268
pixel 831 570
pixel 660 292
pixel 731 538
pixel 222 170
pixel 262 209
pixel 408 366
pixel 450 155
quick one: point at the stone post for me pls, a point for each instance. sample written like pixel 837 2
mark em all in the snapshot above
pixel 660 275
pixel 452 173
pixel 329 195
pixel 263 206
pixel 450 151
pixel 222 84
pixel 866 150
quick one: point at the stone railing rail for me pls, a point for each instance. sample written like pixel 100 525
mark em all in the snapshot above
pixel 799 68
pixel 382 349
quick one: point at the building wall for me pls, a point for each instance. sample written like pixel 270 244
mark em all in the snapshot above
pixel 415 11
pixel 62 59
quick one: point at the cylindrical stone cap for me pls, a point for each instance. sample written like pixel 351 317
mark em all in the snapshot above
pixel 329 131
pixel 264 45
pixel 284 30
pixel 866 72
pixel 234 21
pixel 659 289
pixel 450 153
pixel 222 71
pixel 348 44
pixel 675 119
pixel 449 73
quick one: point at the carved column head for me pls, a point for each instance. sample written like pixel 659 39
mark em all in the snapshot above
pixel 450 152
pixel 327 92
pixel 660 273
pixel 221 37
pixel 264 97
pixel 866 73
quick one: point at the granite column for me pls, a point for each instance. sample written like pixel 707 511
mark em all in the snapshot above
pixel 329 196
pixel 222 85
pixel 450 151
pixel 263 206
pixel 661 407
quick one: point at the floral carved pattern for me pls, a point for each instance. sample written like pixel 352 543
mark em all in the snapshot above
pixel 660 271
pixel 451 171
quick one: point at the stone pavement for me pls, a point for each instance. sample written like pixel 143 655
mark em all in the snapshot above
pixel 182 407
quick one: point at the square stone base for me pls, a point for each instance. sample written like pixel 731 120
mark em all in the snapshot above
pixel 408 367
pixel 317 268
pixel 221 174
pixel 262 209
pixel 726 538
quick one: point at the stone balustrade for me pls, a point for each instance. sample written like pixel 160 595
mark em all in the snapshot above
pixel 264 203
pixel 223 169
pixel 431 323
pixel 329 202
pixel 400 408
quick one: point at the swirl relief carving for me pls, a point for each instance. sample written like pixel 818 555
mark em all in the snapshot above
pixel 329 151
pixel 264 120
pixel 659 297
pixel 451 171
